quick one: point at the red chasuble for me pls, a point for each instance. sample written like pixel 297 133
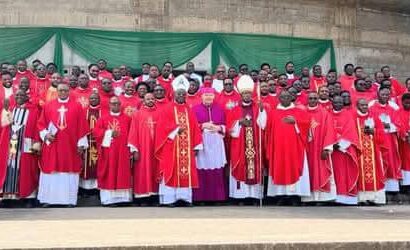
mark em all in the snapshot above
pixel 345 165
pixel 367 95
pixel 269 102
pixel 130 104
pixel 89 168
pixel 371 172
pixel 114 169
pixel 244 150
pixel 347 82
pixel 391 156
pixel 321 136
pixel 27 166
pixel 94 84
pixel 104 74
pixel 326 105
pixel 317 82
pixel 40 87
pixel 167 85
pixel 286 144
pixel 82 96
pixel 105 101
pixel 404 146
pixel 228 101
pixel 27 73
pixel 61 155
pixel 161 103
pixel 193 100
pixel 50 95
pixel 397 88
pixel 176 157
pixel 142 137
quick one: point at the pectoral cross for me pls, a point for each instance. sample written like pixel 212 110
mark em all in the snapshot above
pixel 62 124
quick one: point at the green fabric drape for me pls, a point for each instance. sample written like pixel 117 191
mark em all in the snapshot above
pixel 275 50
pixel 20 43
pixel 58 53
pixel 135 48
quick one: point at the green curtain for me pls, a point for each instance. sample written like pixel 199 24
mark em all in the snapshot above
pixel 20 43
pixel 135 48
pixel 275 50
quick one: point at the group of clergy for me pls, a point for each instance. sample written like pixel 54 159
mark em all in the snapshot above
pixel 160 139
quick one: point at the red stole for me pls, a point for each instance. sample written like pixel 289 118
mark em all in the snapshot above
pixel 371 172
pixel 176 157
pixel 114 171
pixel 321 136
pixel 244 150
pixel 142 137
pixel 89 168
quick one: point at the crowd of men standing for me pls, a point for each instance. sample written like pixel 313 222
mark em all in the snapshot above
pixel 173 140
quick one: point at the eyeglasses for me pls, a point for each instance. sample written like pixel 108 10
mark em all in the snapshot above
pixel 220 71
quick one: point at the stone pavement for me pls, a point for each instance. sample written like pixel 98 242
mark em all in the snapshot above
pixel 224 227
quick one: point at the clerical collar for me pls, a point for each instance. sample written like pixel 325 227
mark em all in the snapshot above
pixel 290 76
pixel 362 114
pixel 272 94
pixel 323 101
pixel 188 94
pixel 115 114
pixel 246 104
pixel 41 78
pixel 337 112
pixel 383 105
pixel 312 108
pixel 281 107
pixel 94 107
pixel 228 93
pixel 93 79
pixel 63 101
pixel 127 96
